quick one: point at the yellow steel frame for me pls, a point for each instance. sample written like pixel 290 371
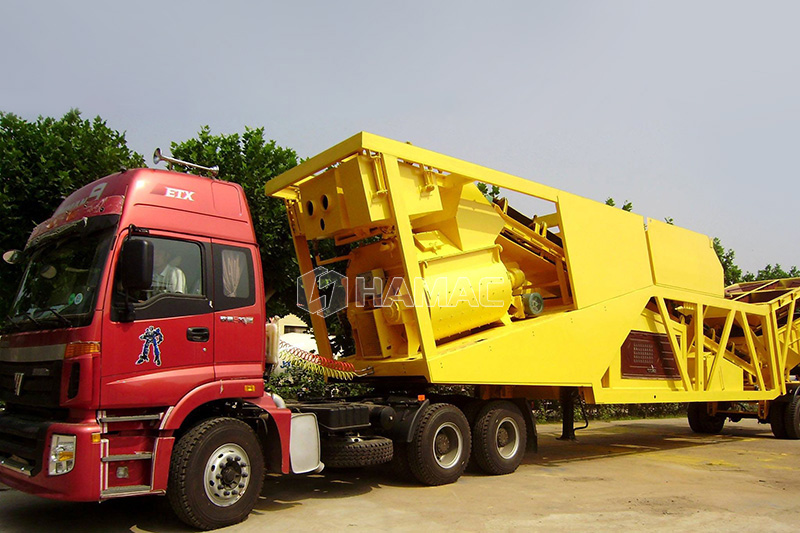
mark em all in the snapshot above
pixel 623 277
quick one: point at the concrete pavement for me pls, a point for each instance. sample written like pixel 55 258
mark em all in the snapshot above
pixel 639 474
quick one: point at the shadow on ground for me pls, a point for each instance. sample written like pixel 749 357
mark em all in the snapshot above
pixel 604 439
pixel 24 513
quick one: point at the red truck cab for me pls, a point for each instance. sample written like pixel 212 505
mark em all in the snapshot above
pixel 99 377
pixel 132 362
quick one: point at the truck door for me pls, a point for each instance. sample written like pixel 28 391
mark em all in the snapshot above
pixel 238 323
pixel 157 344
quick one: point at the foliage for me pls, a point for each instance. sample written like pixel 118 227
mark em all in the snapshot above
pixel 626 206
pixel 41 163
pixel 296 382
pixel 772 272
pixel 492 193
pixel 733 274
pixel 250 160
pixel 550 411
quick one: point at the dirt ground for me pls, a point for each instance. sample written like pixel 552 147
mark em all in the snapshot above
pixel 628 475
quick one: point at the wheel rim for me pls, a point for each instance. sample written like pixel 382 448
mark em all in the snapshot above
pixel 227 475
pixel 447 445
pixel 507 438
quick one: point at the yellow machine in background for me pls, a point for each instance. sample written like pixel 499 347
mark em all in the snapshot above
pixel 472 291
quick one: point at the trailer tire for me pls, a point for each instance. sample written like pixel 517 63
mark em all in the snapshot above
pixel 701 422
pixel 223 448
pixel 440 448
pixel 791 418
pixel 353 452
pixel 499 438
pixel 777 419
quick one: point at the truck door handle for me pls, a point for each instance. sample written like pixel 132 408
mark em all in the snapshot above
pixel 197 334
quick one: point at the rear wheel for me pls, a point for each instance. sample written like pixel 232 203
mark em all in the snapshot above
pixel 216 473
pixel 791 419
pixel 440 447
pixel 777 411
pixel 499 437
pixel 701 422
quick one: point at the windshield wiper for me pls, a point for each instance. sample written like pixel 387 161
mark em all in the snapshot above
pixel 29 316
pixel 11 322
pixel 61 317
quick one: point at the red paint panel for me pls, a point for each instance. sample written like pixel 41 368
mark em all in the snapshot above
pixel 153 388
pixel 241 371
pixel 240 388
pixel 82 484
pixel 161 460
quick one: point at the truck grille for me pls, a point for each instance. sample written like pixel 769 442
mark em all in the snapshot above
pixel 30 384
pixel 23 437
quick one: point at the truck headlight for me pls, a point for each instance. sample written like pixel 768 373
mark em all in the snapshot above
pixel 62 454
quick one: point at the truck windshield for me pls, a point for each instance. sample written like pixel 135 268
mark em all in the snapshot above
pixel 61 278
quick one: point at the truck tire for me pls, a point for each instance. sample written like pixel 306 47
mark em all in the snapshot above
pixel 216 473
pixel 352 452
pixel 777 419
pixel 440 447
pixel 701 422
pixel 499 437
pixel 472 409
pixel 791 419
pixel 400 465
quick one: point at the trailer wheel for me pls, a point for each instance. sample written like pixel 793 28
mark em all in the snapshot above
pixel 777 419
pixel 439 450
pixel 499 437
pixel 352 452
pixel 701 422
pixel 791 419
pixel 216 473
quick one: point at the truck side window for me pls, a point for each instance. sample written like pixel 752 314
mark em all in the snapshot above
pixel 170 261
pixel 179 286
pixel 233 277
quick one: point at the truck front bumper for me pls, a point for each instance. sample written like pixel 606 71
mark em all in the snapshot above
pixel 25 458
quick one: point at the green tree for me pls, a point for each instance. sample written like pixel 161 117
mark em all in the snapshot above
pixel 733 274
pixel 250 160
pixel 492 192
pixel 773 272
pixel 41 163
pixel 626 206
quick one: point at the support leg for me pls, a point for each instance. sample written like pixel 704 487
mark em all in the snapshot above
pixel 568 413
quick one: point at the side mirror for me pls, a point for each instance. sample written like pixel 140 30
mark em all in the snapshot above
pixel 136 265
pixel 12 257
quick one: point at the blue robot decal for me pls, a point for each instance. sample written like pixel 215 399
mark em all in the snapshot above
pixel 152 336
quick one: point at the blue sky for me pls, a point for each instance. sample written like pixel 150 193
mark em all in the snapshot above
pixel 688 109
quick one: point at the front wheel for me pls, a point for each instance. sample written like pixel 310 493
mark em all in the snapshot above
pixel 440 447
pixel 216 473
